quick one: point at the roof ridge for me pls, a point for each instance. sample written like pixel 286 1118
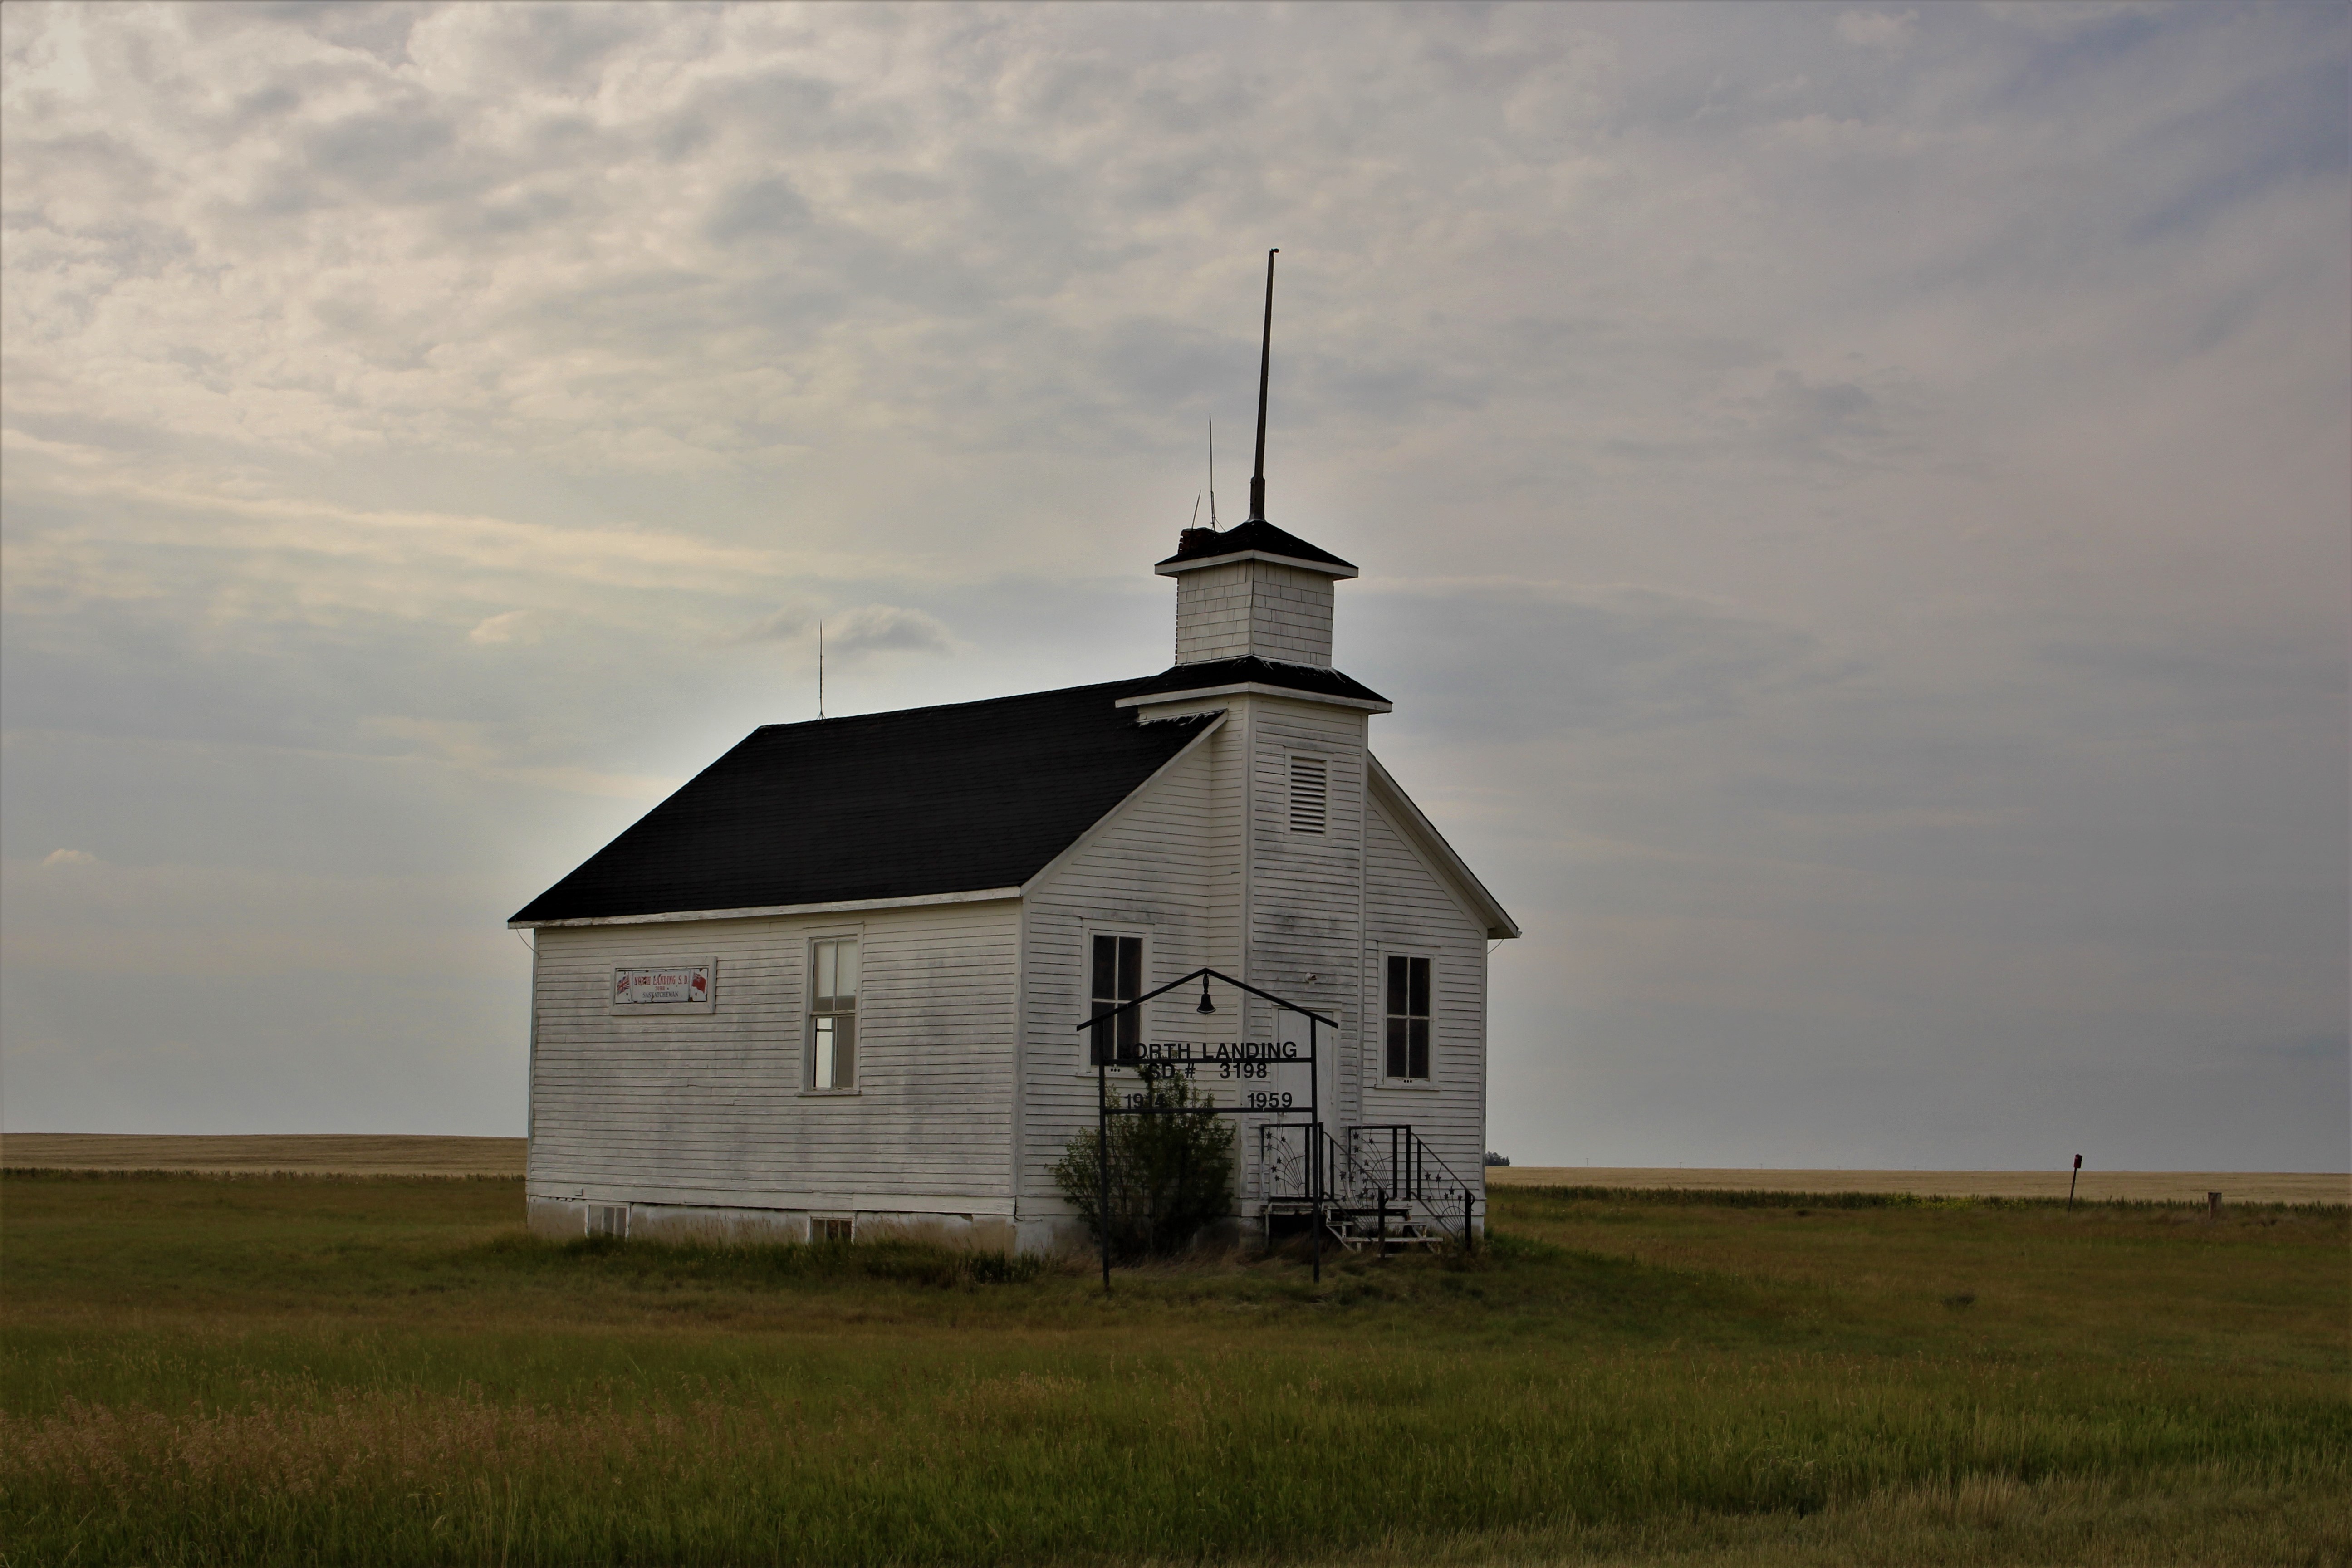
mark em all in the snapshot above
pixel 1105 686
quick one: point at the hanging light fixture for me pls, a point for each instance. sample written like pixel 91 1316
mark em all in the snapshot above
pixel 1206 1005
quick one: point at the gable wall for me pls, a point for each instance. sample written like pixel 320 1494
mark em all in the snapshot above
pixel 1307 892
pixel 1212 833
pixel 1163 868
pixel 707 1109
pixel 1409 907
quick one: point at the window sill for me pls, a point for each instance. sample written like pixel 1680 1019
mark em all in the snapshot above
pixel 828 1093
pixel 1416 1084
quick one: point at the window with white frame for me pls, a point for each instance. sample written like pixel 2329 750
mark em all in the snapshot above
pixel 1407 1017
pixel 1310 794
pixel 1115 969
pixel 832 1014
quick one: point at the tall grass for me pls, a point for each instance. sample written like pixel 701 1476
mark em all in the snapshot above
pixel 1079 1455
pixel 466 1395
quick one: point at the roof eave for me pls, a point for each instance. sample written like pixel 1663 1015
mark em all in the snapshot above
pixel 1255 689
pixel 1177 565
pixel 837 906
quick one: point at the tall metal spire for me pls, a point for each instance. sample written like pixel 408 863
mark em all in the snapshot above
pixel 1265 363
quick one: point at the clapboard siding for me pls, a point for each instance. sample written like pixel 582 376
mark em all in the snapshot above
pixel 1160 866
pixel 1253 608
pixel 683 1106
pixel 1212 830
pixel 1307 891
pixel 1410 910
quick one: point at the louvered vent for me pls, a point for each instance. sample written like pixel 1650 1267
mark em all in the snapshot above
pixel 1310 791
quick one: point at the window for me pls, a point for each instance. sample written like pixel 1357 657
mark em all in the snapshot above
pixel 832 1014
pixel 822 1229
pixel 1310 793
pixel 1407 1017
pixel 1117 970
pixel 609 1219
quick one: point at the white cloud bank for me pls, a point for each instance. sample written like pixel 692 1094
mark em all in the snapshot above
pixel 1851 502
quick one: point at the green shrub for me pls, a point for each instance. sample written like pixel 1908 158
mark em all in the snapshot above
pixel 1170 1175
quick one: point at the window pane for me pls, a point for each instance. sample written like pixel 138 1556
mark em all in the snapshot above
pixel 1420 1008
pixel 822 988
pixel 821 1071
pixel 1130 968
pixel 845 984
pixel 845 1052
pixel 1106 967
pixel 1130 1032
pixel 1397 1062
pixel 1099 1039
pixel 1418 1066
pixel 1396 983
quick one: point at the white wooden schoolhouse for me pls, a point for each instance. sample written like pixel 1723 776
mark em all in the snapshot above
pixel 831 987
pixel 835 987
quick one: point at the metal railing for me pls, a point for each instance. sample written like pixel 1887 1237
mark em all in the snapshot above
pixel 1377 1174
pixel 1399 1162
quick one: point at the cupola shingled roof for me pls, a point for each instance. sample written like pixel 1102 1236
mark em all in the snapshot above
pixel 1257 538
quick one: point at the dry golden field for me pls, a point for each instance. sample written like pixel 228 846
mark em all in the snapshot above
pixel 355 1154
pixel 2098 1186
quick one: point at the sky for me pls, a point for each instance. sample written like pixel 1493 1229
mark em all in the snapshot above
pixel 1855 505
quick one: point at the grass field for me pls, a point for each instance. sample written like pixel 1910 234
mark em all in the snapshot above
pixel 387 1371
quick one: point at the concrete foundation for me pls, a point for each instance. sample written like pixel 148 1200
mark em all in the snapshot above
pixel 567 1219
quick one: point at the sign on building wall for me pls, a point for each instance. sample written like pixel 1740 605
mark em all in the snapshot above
pixel 667 987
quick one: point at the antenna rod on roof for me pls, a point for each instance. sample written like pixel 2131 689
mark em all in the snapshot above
pixel 819 670
pixel 1264 361
pixel 1213 471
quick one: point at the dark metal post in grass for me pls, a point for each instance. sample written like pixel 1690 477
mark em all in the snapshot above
pixel 1381 1197
pixel 2070 1184
pixel 1469 1237
pixel 2212 1205
pixel 1314 1077
pixel 1102 1148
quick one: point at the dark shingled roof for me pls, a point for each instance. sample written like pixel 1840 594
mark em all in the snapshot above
pixel 1201 543
pixel 1215 672
pixel 883 806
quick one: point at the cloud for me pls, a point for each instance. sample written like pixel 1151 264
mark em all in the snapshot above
pixel 886 629
pixel 866 629
pixel 1877 30
pixel 512 626
pixel 780 626
pixel 69 858
pixel 1551 659
pixel 2326 1050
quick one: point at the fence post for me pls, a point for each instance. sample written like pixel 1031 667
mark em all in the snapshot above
pixel 1469 1237
pixel 1102 1161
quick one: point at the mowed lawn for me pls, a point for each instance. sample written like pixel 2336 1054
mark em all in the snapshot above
pixel 386 1370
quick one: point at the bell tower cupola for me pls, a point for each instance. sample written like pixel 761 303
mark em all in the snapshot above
pixel 1253 591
